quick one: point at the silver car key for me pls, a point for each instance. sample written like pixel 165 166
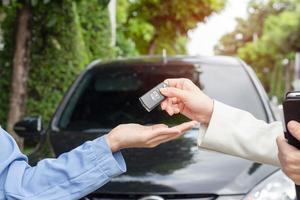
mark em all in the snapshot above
pixel 153 97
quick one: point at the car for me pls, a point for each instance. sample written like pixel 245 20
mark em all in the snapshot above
pixel 107 94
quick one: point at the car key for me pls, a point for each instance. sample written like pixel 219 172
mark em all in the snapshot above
pixel 153 97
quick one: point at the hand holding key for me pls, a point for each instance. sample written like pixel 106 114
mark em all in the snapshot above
pixel 184 97
pixel 153 97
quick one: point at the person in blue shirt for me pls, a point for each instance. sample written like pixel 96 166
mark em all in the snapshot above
pixel 79 172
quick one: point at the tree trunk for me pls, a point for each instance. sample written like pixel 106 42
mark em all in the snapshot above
pixel 152 45
pixel 287 77
pixel 18 92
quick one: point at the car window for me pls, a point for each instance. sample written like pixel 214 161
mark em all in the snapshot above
pixel 106 98
pixel 232 85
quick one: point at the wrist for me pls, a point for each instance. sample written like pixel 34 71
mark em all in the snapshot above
pixel 205 117
pixel 112 142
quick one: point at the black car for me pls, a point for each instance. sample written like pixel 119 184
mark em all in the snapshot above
pixel 107 94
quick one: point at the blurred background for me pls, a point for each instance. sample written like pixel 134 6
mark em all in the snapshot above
pixel 44 44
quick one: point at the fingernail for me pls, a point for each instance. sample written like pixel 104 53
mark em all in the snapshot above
pixel 163 90
pixel 292 125
pixel 195 124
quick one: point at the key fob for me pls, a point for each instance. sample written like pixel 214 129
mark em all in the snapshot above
pixel 153 97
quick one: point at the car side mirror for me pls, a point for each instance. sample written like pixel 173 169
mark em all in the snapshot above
pixel 29 127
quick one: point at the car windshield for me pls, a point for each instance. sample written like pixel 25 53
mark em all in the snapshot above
pixel 107 97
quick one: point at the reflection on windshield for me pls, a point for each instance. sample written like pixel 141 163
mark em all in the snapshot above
pixel 107 99
pixel 161 161
pixel 165 159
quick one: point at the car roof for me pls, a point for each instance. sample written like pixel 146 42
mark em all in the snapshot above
pixel 170 60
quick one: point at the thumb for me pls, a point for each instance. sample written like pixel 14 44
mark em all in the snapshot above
pixel 283 145
pixel 294 128
pixel 173 92
pixel 185 126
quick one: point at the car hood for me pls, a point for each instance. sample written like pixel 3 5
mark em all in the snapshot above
pixel 181 167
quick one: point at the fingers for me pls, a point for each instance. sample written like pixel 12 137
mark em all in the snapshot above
pixel 161 129
pixel 289 158
pixel 175 82
pixel 164 104
pixel 172 138
pixel 171 133
pixel 159 134
pixel 296 179
pixel 185 126
pixel 294 128
pixel 164 138
pixel 283 146
pixel 171 92
pixel 172 106
pixel 176 109
pixel 158 126
pixel 173 103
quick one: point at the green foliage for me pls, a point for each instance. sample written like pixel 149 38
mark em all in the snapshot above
pixel 66 35
pixel 156 24
pixel 269 36
pixel 280 31
pixel 95 26
pixel 7 19
pixel 58 54
pixel 277 43
pixel 249 29
pixel 125 45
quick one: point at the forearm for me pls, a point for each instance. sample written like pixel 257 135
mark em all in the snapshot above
pixel 70 176
pixel 236 132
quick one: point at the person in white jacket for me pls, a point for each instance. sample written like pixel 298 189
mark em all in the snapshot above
pixel 233 131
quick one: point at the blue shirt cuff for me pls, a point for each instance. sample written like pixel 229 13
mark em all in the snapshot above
pixel 112 164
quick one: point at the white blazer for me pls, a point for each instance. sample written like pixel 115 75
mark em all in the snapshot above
pixel 238 133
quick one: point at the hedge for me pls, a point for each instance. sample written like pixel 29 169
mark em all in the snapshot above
pixel 66 36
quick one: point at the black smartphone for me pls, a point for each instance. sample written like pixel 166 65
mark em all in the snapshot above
pixel 291 111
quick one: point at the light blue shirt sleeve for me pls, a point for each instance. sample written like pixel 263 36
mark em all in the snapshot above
pixel 71 176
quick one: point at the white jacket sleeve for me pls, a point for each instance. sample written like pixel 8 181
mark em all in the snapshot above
pixel 238 133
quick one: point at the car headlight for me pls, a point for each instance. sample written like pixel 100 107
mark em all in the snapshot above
pixel 277 186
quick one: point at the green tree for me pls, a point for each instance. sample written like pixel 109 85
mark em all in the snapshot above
pixel 67 36
pixel 125 45
pixel 63 37
pixel 266 40
pixel 279 42
pixel 19 61
pixel 251 28
pixel 58 54
pixel 154 25
pixel 95 27
pixel 7 21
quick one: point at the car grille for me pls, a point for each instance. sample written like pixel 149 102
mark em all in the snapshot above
pixel 151 197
